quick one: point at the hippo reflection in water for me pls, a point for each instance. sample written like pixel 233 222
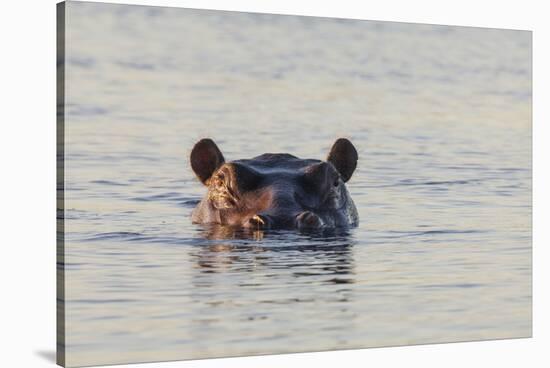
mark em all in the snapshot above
pixel 275 190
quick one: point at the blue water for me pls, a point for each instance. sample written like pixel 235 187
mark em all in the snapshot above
pixel 441 117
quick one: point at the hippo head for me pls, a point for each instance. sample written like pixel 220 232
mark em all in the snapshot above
pixel 275 190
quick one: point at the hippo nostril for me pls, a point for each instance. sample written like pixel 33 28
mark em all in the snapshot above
pixel 258 222
pixel 308 220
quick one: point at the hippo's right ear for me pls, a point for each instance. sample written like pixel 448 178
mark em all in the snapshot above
pixel 343 156
pixel 206 157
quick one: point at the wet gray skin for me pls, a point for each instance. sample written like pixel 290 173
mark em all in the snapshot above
pixel 275 190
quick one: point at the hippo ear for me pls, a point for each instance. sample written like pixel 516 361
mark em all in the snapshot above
pixel 343 156
pixel 206 157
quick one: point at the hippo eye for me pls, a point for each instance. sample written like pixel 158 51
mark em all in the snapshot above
pixel 336 182
pixel 220 179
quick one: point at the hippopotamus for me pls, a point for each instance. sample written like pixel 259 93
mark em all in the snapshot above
pixel 275 190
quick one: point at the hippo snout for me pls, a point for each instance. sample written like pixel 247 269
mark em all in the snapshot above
pixel 303 221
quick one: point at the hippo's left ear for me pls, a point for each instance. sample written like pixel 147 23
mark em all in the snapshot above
pixel 206 158
pixel 343 156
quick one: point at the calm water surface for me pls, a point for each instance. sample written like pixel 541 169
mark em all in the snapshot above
pixel 441 117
